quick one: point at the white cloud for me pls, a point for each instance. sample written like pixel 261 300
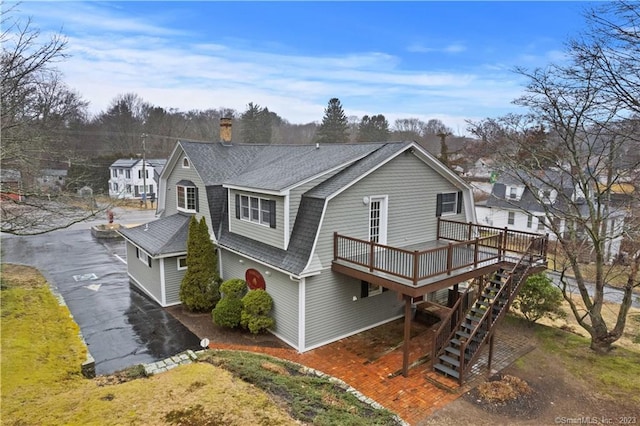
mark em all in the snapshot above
pixel 112 55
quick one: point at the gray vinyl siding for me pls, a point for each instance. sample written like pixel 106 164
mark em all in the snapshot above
pixel 295 195
pixel 263 233
pixel 171 203
pixel 280 287
pixel 331 312
pixel 411 187
pixel 148 278
pixel 172 280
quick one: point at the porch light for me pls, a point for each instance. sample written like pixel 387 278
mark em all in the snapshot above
pixel 267 272
pixel 365 200
pixel 241 261
pixel 354 298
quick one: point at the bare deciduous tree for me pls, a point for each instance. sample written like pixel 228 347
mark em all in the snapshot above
pixel 576 150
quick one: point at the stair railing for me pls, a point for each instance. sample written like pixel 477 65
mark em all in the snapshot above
pixel 448 326
pixel 509 288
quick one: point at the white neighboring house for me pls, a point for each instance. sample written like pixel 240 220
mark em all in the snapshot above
pixel 127 181
pixel 513 204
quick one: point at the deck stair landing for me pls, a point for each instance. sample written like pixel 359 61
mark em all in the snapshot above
pixel 477 326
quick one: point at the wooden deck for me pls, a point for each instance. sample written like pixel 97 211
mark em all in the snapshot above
pixel 462 251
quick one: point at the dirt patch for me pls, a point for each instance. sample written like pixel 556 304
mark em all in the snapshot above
pixel 557 397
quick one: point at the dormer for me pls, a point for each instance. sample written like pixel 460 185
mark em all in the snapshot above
pixel 513 192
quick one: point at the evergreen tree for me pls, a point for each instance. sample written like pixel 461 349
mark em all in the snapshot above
pixel 373 129
pixel 199 290
pixel 256 124
pixel 334 127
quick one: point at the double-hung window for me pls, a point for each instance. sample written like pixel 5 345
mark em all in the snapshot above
pixel 511 218
pixel 448 203
pixel 144 257
pixel 256 210
pixel 187 196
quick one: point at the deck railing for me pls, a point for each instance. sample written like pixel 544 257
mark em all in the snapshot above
pixel 470 245
pixel 514 243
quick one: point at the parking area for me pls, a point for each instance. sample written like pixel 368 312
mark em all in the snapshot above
pixel 121 326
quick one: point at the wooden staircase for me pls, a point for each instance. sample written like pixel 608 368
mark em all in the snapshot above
pixel 455 354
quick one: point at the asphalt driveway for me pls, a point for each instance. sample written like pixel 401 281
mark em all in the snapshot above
pixel 121 326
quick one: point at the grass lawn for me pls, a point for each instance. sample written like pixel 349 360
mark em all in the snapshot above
pixel 41 382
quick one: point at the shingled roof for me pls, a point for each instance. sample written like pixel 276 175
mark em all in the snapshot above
pixel 161 237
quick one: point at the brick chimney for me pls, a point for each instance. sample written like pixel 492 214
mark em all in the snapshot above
pixel 225 130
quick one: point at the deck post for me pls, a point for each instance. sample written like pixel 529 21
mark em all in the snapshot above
pixel 371 255
pixel 449 258
pixel 416 255
pixel 335 246
pixel 490 353
pixel 407 336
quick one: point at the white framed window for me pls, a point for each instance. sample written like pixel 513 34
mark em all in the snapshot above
pixel 448 203
pixel 144 257
pixel 185 163
pixel 256 210
pixel 540 223
pixel 513 192
pixel 187 198
pixel 530 221
pixel 115 186
pixel 127 174
pixel 511 219
pixel 182 263
pixel 114 173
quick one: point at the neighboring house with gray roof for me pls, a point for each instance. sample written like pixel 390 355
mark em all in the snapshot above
pixel 515 205
pixel 272 211
pixel 127 177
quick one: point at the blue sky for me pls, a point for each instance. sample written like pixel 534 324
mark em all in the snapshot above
pixel 447 60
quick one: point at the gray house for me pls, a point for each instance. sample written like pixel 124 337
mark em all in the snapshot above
pixel 307 223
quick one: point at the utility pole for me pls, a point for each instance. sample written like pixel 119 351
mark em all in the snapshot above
pixel 144 170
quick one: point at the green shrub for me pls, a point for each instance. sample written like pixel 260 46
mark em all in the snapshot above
pixel 234 288
pixel 256 307
pixel 539 298
pixel 228 312
pixel 199 289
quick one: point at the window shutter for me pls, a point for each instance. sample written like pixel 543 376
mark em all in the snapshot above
pixel 438 205
pixel 364 289
pixel 459 209
pixel 149 260
pixel 272 213
pixel 137 252
pixel 197 200
pixel 237 206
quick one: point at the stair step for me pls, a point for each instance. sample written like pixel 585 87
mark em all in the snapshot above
pixel 453 351
pixel 449 360
pixel 456 352
pixel 473 318
pixel 446 370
